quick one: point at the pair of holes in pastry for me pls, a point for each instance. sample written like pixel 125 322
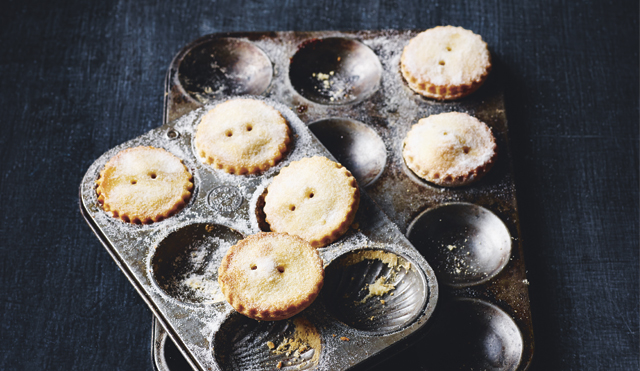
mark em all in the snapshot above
pixel 465 149
pixel 261 217
pixel 328 71
pixel 442 63
pixel 229 133
pixel 310 195
pixel 185 263
pixel 466 244
pixel 150 175
pixel 279 268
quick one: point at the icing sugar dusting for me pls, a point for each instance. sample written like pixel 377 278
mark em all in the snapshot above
pixel 446 56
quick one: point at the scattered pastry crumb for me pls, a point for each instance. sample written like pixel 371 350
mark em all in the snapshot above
pixel 332 85
pixel 390 259
pixel 460 265
pixel 344 338
pixel 305 337
pixel 378 288
pixel 383 284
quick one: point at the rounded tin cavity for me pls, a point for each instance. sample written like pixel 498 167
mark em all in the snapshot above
pixel 465 244
pixel 223 67
pixel 246 344
pixel 374 291
pixel 185 263
pixel 474 334
pixel 355 145
pixel 335 70
pixel 168 357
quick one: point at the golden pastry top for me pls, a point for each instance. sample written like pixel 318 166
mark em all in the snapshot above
pixel 449 149
pixel 271 276
pixel 314 198
pixel 144 185
pixel 451 58
pixel 242 136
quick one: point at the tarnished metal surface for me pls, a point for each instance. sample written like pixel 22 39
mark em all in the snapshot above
pixel 173 261
pixel 347 87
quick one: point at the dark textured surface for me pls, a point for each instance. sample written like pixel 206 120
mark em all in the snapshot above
pixel 81 77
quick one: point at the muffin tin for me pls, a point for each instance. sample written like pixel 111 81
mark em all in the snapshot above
pixel 346 86
pixel 173 264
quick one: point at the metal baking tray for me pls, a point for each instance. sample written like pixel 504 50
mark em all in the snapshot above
pixel 173 265
pixel 346 86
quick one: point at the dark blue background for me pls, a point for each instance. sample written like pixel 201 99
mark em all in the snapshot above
pixel 79 77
